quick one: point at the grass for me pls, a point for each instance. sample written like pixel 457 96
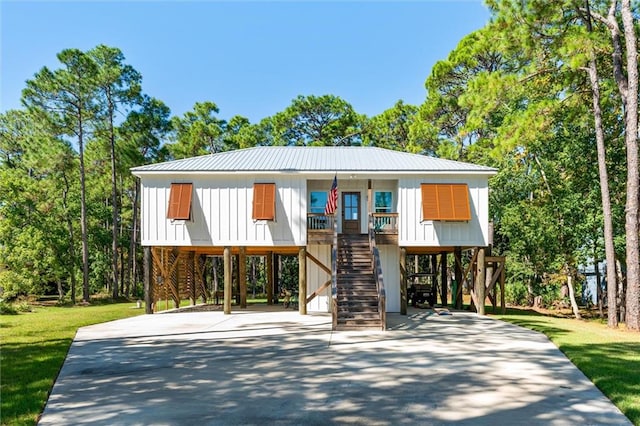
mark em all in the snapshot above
pixel 609 358
pixel 34 346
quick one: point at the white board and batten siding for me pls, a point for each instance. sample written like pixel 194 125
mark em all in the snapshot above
pixel 221 212
pixel 414 232
pixel 316 277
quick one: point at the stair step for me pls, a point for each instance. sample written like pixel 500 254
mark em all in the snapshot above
pixel 357 301
pixel 359 315
pixel 363 310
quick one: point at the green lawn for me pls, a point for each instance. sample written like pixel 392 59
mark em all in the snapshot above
pixel 610 358
pixel 34 346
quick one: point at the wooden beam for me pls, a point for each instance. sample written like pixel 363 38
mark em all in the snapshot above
pixel 270 279
pixel 174 283
pixel 320 264
pixel 227 280
pixel 443 278
pixel 403 281
pixel 322 288
pixel 302 280
pixel 457 296
pixel 249 251
pixel 235 277
pixel 191 276
pixel 242 276
pixel 480 281
pixel 369 198
pixel 429 250
pixel 147 270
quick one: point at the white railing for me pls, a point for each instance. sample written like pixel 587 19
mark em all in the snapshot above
pixel 385 223
pixel 320 222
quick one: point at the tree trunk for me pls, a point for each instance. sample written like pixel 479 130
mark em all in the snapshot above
pixel 72 240
pixel 83 213
pixel 214 262
pixel 114 200
pixel 596 268
pixel 632 318
pixel 620 306
pixel 609 247
pixel 572 295
pixel 133 261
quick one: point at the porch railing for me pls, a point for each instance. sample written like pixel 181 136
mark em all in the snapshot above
pixel 377 273
pixel 320 222
pixel 385 223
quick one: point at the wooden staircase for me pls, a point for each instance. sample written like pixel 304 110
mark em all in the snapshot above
pixel 357 292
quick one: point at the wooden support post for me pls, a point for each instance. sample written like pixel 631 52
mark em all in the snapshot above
pixel 191 276
pixel 147 265
pixel 443 278
pixel 227 280
pixel 236 278
pixel 434 279
pixel 457 296
pixel 480 281
pixel 242 276
pixel 270 279
pixel 403 281
pixel 277 264
pixel 302 280
pixel 174 258
pixel 369 198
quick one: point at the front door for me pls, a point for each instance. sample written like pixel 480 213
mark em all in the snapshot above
pixel 351 212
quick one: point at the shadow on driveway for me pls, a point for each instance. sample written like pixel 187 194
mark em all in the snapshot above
pixel 281 368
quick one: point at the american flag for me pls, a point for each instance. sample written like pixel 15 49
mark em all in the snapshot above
pixel 332 201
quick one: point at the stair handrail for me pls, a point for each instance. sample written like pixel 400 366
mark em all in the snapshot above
pixel 377 273
pixel 334 277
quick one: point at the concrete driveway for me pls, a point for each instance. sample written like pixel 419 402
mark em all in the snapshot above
pixel 280 368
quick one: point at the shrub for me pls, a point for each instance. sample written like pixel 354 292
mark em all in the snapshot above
pixel 13 285
pixel 516 293
pixel 7 308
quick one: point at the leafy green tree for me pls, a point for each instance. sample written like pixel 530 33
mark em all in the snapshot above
pixel 66 98
pixel 198 132
pixel 37 241
pixel 141 135
pixel 317 120
pixel 118 91
pixel 393 130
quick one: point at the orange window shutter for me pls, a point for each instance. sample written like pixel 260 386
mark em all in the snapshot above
pixel 445 202
pixel 264 201
pixel 461 207
pixel 430 202
pixel 180 201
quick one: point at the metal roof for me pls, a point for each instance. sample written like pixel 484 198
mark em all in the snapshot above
pixel 313 159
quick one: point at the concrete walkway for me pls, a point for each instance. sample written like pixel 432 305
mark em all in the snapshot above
pixel 280 368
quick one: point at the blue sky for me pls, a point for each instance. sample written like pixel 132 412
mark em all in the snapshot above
pixel 250 58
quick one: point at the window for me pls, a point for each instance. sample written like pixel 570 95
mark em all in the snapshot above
pixel 445 202
pixel 264 201
pixel 383 202
pixel 180 201
pixel 317 202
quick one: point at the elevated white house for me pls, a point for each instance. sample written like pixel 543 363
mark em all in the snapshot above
pixel 271 200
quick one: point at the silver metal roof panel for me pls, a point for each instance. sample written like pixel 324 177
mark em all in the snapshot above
pixel 314 159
